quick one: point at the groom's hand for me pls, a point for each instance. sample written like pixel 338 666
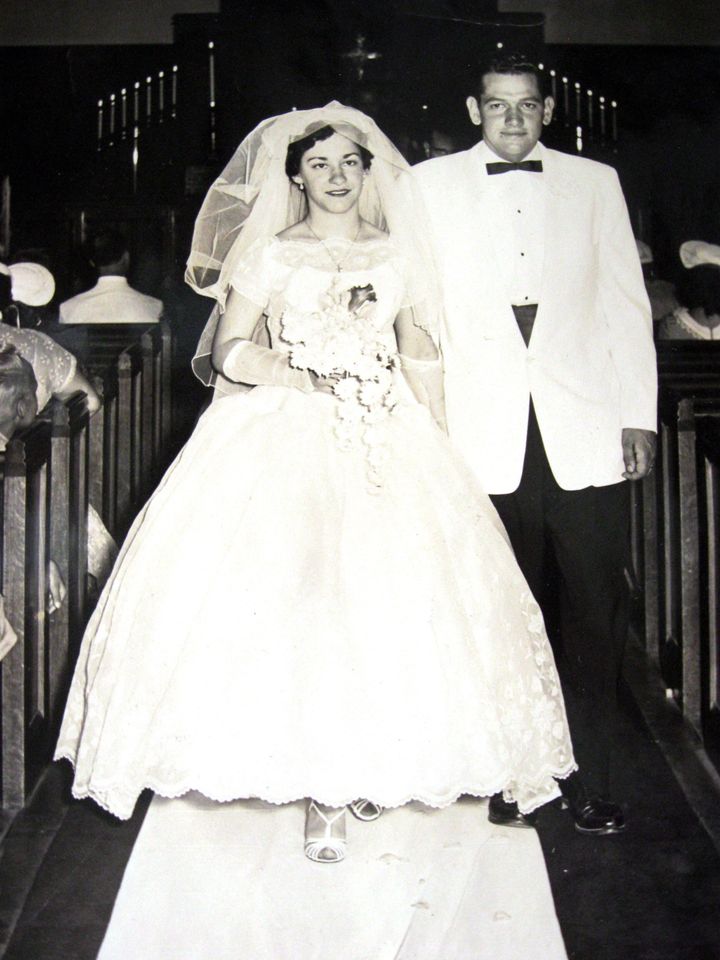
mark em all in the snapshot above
pixel 638 452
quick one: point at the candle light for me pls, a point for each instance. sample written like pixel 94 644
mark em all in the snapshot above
pixel 566 99
pixel 578 103
pixel 100 124
pixel 135 157
pixel 136 102
pixel 112 117
pixel 613 104
pixel 590 110
pixel 602 118
pixel 579 139
pixel 553 81
pixel 161 93
pixel 174 89
pixel 211 48
pixel 148 98
pixel 123 110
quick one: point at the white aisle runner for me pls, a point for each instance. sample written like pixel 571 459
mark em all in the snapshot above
pixel 211 881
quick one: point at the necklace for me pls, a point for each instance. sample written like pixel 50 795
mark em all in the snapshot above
pixel 338 263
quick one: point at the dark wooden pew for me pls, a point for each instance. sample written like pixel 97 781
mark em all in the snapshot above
pixel 132 365
pixel 674 527
pixel 44 516
pixel 49 474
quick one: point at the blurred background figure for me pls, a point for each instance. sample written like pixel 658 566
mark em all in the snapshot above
pixel 36 268
pixel 18 400
pixel 440 144
pixel 697 317
pixel 112 299
pixel 661 293
pixel 56 369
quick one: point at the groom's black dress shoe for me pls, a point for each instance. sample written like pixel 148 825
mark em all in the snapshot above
pixel 507 814
pixel 592 814
pixel 598 817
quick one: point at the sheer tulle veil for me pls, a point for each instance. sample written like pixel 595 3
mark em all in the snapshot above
pixel 253 198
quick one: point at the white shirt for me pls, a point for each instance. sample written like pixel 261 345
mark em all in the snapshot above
pixel 111 300
pixel 518 226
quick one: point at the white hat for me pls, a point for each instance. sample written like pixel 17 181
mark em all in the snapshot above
pixel 694 253
pixel 32 283
pixel 644 251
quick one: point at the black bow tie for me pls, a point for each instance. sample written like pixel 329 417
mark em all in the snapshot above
pixel 531 166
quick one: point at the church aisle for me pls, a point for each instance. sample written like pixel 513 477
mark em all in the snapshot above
pixel 220 881
pixel 650 894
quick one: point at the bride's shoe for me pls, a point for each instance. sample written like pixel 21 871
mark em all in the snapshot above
pixel 365 810
pixel 329 845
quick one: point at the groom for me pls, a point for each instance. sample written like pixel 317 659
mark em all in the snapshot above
pixel 550 384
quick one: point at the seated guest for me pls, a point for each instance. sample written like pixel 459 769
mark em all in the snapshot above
pixel 112 299
pixel 56 370
pixel 440 144
pixel 698 317
pixel 42 313
pixel 661 293
pixel 18 400
pixel 18 409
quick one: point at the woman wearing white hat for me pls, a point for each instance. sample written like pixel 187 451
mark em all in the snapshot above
pixel 57 375
pixel 56 369
pixel 698 317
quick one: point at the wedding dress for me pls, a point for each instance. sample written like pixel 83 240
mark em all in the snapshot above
pixel 318 600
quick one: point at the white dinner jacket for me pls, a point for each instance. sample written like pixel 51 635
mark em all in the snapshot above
pixel 590 365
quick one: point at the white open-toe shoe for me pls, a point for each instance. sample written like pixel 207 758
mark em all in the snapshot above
pixel 328 846
pixel 365 810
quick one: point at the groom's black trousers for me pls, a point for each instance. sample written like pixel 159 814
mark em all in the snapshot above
pixel 573 547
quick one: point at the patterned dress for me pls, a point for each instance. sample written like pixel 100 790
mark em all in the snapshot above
pixel 318 601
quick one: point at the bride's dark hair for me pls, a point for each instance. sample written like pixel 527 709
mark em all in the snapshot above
pixel 296 150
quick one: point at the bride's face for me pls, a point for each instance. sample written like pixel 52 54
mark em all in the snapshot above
pixel 332 174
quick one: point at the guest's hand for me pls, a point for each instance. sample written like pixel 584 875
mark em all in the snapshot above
pixel 638 452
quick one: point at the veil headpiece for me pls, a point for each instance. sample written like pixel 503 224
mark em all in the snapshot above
pixel 253 198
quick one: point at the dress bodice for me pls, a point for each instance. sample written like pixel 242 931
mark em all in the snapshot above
pixel 298 275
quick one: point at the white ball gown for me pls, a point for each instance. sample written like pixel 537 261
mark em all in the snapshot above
pixel 297 614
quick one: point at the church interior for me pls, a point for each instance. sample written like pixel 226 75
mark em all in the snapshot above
pixel 112 128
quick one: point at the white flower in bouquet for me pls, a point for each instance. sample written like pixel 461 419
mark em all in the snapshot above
pixel 341 340
pixel 346 388
pixel 372 393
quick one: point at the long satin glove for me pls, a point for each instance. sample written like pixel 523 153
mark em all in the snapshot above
pixel 425 379
pixel 260 366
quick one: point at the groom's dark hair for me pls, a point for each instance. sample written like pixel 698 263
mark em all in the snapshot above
pixel 515 64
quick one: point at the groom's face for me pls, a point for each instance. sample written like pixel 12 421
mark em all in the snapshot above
pixel 511 112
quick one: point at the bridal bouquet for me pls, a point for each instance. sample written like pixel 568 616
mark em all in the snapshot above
pixel 340 341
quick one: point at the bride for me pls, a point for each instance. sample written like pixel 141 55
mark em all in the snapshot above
pixel 318 601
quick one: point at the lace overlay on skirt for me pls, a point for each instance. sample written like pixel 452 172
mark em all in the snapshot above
pixel 270 630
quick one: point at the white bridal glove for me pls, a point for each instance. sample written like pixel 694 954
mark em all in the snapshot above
pixel 260 366
pixel 425 379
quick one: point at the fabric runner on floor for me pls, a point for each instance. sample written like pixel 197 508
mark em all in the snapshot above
pixel 210 881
